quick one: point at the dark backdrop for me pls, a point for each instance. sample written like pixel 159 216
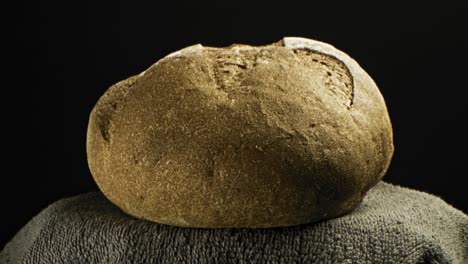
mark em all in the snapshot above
pixel 62 57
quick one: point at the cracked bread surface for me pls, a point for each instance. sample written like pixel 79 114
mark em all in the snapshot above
pixel 242 136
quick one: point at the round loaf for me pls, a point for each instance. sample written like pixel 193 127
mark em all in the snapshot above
pixel 242 136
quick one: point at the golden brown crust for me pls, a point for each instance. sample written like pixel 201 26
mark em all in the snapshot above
pixel 242 136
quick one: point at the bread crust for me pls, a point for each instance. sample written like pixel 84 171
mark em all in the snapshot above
pixel 277 135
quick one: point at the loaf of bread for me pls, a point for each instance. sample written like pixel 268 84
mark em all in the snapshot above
pixel 241 136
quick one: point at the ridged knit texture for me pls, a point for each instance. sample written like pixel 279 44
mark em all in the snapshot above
pixel 392 225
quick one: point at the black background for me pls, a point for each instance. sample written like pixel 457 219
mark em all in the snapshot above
pixel 62 57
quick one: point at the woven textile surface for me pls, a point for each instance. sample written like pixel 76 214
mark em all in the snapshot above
pixel 392 225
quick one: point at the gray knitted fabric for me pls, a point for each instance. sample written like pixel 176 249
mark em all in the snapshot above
pixel 392 225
